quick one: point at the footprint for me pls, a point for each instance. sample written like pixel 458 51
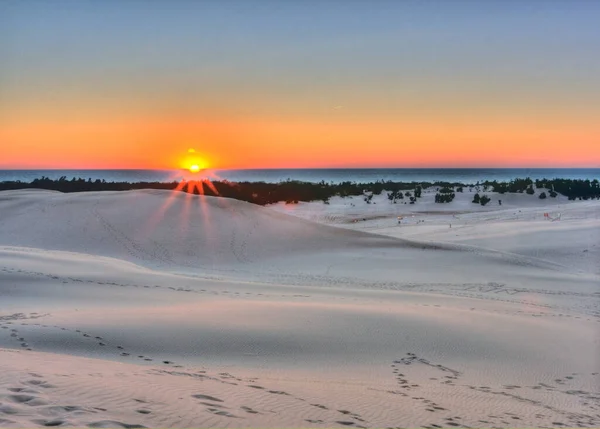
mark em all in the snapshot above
pixel 7 409
pixel 30 400
pixel 49 423
pixel 323 407
pixel 113 424
pixel 40 383
pixel 210 404
pixel 207 397
pixel 66 408
pixel 278 392
pixel 221 412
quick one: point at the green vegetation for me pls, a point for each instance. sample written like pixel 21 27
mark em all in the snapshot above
pixel 444 195
pixel 571 188
pixel 292 191
pixel 394 196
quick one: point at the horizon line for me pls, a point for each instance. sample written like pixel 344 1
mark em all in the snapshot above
pixel 311 168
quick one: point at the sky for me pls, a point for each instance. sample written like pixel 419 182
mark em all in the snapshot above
pixel 293 84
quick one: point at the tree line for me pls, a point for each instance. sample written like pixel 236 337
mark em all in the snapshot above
pixel 292 191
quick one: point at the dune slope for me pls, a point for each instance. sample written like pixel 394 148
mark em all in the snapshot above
pixel 164 309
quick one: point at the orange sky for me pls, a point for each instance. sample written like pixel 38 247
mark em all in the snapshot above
pixel 290 142
pixel 248 85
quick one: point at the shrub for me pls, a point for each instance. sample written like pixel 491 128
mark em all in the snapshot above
pixel 530 190
pixel 263 193
pixel 484 200
pixel 476 199
pixel 444 197
pixel 395 195
pixel 542 196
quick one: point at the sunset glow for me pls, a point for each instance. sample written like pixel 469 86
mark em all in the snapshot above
pixel 493 86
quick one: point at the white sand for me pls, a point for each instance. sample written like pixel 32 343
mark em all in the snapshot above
pixel 166 309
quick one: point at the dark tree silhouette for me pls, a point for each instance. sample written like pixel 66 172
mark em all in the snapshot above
pixel 293 191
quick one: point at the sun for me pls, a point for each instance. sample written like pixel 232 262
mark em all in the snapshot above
pixel 193 162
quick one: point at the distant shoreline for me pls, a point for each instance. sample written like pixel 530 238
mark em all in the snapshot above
pixel 329 175
pixel 292 191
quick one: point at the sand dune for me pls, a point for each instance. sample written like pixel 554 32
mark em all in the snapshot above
pixel 156 309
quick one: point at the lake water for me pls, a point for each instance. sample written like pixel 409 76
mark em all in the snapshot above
pixel 463 175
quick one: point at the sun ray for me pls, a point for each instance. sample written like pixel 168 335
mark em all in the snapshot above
pixel 185 214
pixel 196 182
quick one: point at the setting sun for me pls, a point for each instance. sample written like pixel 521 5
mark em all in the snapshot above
pixel 193 162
